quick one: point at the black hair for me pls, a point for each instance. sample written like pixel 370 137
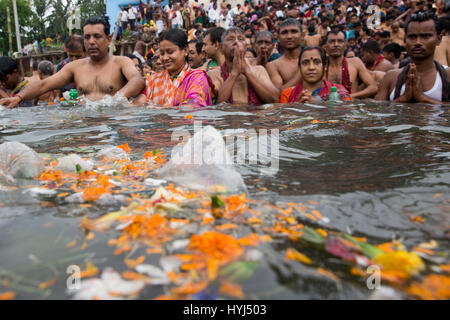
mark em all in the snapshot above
pixel 444 23
pixel 74 42
pixel 336 32
pixel 176 36
pixel 393 47
pixel 323 55
pixel 198 45
pixel 215 34
pixel 424 16
pixel 311 28
pixel 7 66
pixel 131 56
pixel 386 34
pixel 262 33
pixel 371 45
pixel 99 20
pixel 290 22
pixel 252 51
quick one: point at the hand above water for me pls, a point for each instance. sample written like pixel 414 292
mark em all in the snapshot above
pixel 10 103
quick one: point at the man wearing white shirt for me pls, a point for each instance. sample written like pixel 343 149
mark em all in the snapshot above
pixel 225 20
pixel 124 19
pixel 132 13
pixel 177 19
pixel 214 14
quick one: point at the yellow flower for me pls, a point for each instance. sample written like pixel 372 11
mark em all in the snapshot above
pixel 406 262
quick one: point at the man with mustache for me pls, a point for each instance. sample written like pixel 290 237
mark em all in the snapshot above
pixel 423 79
pixel 347 72
pixel 96 76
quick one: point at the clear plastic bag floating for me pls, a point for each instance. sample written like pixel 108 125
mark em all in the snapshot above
pixel 203 163
pixel 19 161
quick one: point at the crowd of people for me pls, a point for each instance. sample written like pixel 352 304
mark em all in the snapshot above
pixel 283 51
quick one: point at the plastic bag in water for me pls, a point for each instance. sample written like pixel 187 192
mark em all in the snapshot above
pixel 19 161
pixel 203 163
pixel 69 163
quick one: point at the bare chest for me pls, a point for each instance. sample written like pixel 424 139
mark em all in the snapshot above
pixel 107 79
pixel 287 69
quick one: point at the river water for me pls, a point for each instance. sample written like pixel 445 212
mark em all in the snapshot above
pixel 368 167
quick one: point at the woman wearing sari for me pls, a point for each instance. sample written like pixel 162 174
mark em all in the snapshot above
pixel 178 84
pixel 312 87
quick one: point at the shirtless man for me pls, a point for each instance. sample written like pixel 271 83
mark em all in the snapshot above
pixel 442 53
pixel 372 57
pixel 312 39
pixel 344 71
pixel 284 72
pixel 237 81
pixel 96 76
pixel 423 79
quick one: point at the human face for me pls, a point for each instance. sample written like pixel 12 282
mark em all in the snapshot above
pixel 96 41
pixel 368 57
pixel 210 48
pixel 146 69
pixel 76 54
pixel 11 80
pixel 232 41
pixel 290 37
pixel 136 64
pixel 311 67
pixel 194 58
pixel 335 45
pixel 264 44
pixel 421 39
pixel 395 27
pixel 350 54
pixel 172 57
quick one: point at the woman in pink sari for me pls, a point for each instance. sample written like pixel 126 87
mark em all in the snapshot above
pixel 178 84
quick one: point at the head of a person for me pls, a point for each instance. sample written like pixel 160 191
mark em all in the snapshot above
pixel 264 42
pixel 9 73
pixel 96 37
pixel 196 55
pixel 45 69
pixel 312 62
pixel 130 5
pixel 395 27
pixel 173 50
pixel 445 24
pixel 232 39
pixel 335 43
pixel 350 54
pixel 311 28
pixel 147 67
pixel 290 34
pixel 136 61
pixel 422 35
pixel 156 64
pixel 392 51
pixel 369 52
pixel 212 41
pixel 75 47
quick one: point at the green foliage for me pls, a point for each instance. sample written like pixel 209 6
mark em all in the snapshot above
pixel 25 17
pixel 44 18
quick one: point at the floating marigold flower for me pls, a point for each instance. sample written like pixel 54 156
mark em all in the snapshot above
pixel 125 147
pixel 50 175
pixel 188 116
pixel 45 285
pixel 9 295
pixel 216 245
pixel 190 288
pixel 231 289
pixel 408 262
pixel 432 287
pixel 292 254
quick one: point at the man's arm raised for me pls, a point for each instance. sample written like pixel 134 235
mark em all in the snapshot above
pixel 135 82
pixel 39 87
pixel 365 77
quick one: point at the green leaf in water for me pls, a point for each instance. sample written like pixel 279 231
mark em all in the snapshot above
pixel 79 169
pixel 216 202
pixel 311 235
pixel 368 249
pixel 155 152
pixel 115 173
pixel 239 271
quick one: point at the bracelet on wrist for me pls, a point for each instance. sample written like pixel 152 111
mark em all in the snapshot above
pixel 21 98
